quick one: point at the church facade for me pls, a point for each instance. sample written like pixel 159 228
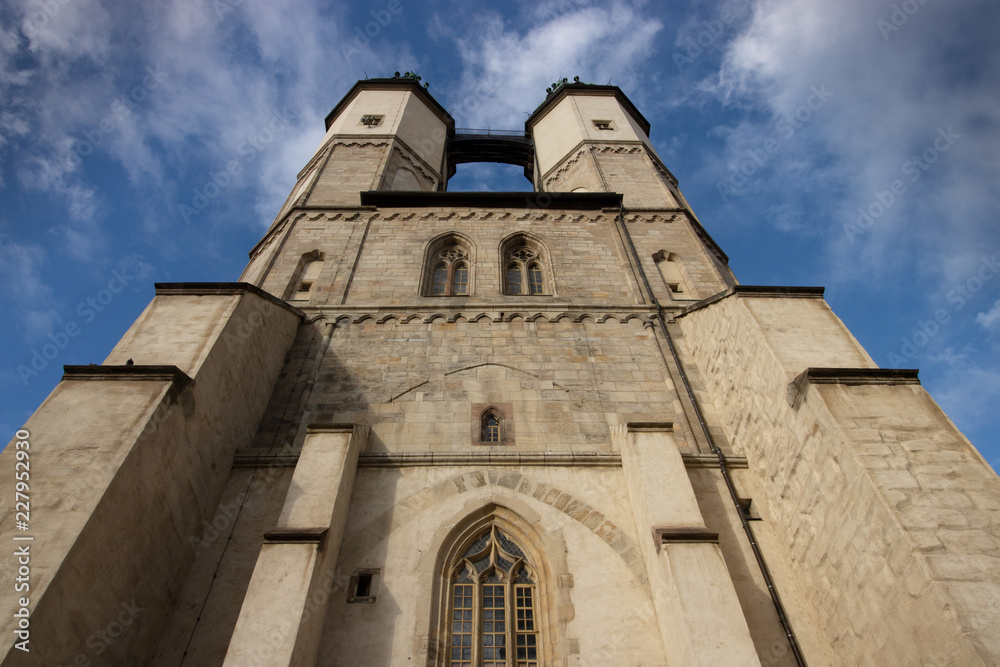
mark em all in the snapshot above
pixel 529 428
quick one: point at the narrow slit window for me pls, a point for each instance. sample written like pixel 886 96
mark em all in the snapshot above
pixel 460 282
pixel 526 637
pixel 461 625
pixel 535 279
pixel 494 625
pixel 604 125
pixel 364 588
pixel 513 279
pixel 440 279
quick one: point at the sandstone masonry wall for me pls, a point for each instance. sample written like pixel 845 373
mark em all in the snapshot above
pixel 885 508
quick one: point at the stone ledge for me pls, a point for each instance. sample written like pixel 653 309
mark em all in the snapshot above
pixel 490 459
pixel 128 373
pixel 451 313
pixel 329 428
pixel 221 289
pixel 552 200
pixel 265 461
pixel 650 427
pixel 847 376
pixel 758 291
pixel 860 375
pixel 295 535
pixel 695 461
pixel 686 535
pixel 404 460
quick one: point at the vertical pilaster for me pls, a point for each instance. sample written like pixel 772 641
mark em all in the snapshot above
pixel 281 619
pixel 697 609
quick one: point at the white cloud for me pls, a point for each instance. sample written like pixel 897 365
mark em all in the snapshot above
pixel 891 99
pixel 21 266
pixel 505 71
pixel 967 393
pixel 990 319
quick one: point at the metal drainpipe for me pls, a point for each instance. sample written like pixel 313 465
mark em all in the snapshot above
pixel 723 463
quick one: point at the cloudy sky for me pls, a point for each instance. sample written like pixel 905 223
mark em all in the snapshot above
pixel 851 144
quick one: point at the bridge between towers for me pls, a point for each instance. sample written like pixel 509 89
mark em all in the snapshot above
pixel 504 146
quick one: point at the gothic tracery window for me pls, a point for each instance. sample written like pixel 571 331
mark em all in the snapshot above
pixel 449 274
pixel 524 271
pixel 492 610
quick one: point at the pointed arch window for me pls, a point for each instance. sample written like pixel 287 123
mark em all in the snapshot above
pixel 492 605
pixel 491 427
pixel 306 275
pixel 524 272
pixel 449 273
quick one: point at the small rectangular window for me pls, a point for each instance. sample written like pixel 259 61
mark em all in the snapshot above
pixel 604 125
pixel 675 287
pixel 363 586
pixel 371 120
pixel 305 286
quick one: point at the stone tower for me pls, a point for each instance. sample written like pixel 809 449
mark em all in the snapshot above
pixel 499 428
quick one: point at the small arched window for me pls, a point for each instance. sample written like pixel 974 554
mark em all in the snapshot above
pixel 449 272
pixel 306 276
pixel 491 427
pixel 670 269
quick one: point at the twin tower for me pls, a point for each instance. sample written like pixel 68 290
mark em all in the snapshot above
pixel 498 428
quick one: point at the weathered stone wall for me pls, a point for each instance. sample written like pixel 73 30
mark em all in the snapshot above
pixel 225 546
pixel 590 262
pixel 885 515
pixel 400 518
pixel 125 465
pixel 422 386
pixel 577 170
pixel 353 166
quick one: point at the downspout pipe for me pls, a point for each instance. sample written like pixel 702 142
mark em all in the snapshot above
pixel 723 462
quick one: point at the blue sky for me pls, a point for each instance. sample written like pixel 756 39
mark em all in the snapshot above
pixel 851 144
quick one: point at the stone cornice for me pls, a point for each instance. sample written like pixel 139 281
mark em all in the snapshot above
pixel 490 458
pixel 488 312
pixel 757 291
pixel 797 388
pixel 485 458
pixel 221 289
pixel 126 373
pixel 534 211
pixel 528 200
